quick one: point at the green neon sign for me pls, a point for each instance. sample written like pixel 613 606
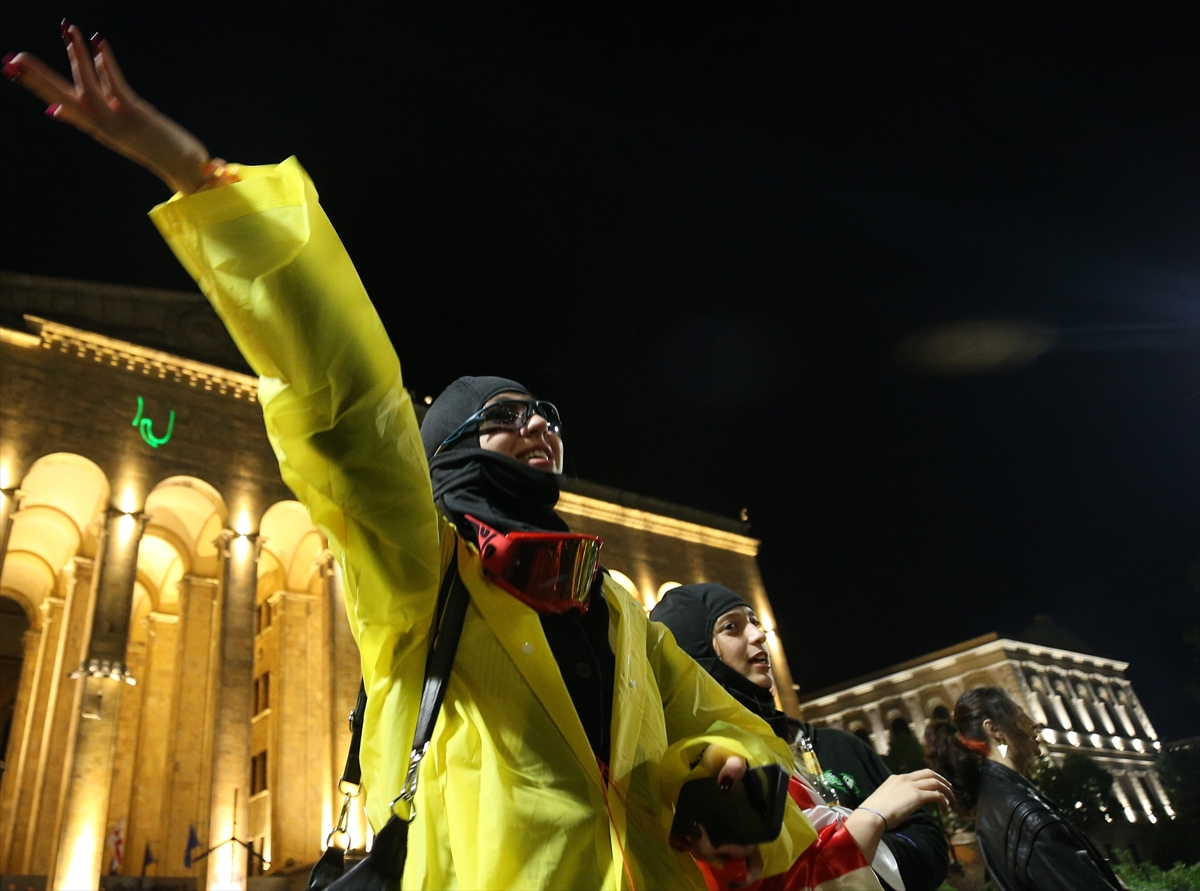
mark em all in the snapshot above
pixel 146 426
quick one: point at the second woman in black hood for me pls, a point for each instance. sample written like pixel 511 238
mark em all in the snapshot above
pixel 721 631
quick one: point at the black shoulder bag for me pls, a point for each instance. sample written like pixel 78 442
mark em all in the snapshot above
pixel 383 867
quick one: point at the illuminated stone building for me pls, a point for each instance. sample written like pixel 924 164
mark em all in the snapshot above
pixel 175 661
pixel 1085 702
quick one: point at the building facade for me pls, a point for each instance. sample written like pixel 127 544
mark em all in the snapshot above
pixel 177 666
pixel 1085 702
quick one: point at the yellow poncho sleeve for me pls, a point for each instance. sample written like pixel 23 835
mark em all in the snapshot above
pixel 337 413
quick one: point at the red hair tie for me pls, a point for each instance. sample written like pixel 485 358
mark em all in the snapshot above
pixel 978 746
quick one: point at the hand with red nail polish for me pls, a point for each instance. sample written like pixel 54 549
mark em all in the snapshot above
pixel 729 769
pixel 102 104
pixel 11 70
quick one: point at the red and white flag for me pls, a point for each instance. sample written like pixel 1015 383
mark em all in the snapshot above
pixel 116 841
pixel 833 862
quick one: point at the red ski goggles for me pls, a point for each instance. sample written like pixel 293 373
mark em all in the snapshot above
pixel 550 571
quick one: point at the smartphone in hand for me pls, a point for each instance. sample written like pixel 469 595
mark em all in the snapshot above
pixel 749 813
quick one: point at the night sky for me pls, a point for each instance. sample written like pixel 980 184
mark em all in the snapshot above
pixel 916 285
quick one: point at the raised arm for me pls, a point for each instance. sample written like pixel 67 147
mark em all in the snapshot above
pixel 102 105
pixel 266 256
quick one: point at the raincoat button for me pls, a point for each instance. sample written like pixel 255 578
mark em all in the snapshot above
pixel 527 648
pixel 632 682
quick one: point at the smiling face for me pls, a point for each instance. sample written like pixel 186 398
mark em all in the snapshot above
pixel 533 444
pixel 740 643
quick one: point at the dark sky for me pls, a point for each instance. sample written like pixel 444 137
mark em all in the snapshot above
pixel 917 285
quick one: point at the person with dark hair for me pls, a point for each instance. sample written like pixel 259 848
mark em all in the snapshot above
pixel 879 811
pixel 1028 844
pixel 569 721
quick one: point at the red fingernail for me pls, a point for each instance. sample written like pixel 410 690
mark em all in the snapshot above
pixel 52 110
pixel 65 28
pixel 95 42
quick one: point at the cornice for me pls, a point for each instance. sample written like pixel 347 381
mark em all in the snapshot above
pixel 1002 645
pixel 643 521
pixel 121 353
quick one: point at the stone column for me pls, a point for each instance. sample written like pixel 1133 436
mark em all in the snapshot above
pixel 1104 705
pixel 128 755
pixel 102 674
pixel 10 503
pixel 916 717
pixel 298 762
pixel 234 703
pixel 1032 700
pixel 1126 721
pixel 1155 784
pixel 1144 799
pixel 1139 713
pixel 1119 790
pixel 193 723
pixel 152 772
pixel 58 714
pixel 878 731
pixel 1079 706
pixel 33 644
pixel 1057 703
pixel 954 689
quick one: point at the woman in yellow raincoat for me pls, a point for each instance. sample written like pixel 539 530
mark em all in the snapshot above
pixel 513 792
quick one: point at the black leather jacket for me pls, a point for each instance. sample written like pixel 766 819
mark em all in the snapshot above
pixel 1027 842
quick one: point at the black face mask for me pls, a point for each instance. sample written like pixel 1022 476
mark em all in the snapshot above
pixel 691 612
pixel 506 494
pixel 511 496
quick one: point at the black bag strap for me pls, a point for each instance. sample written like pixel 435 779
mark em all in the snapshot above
pixel 352 772
pixel 384 865
pixel 448 623
pixel 448 618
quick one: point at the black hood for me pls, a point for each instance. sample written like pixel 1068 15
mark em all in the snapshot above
pixel 691 611
pixel 505 493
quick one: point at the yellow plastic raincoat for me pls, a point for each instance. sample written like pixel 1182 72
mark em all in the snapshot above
pixel 510 793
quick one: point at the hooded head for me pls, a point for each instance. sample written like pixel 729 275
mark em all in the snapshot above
pixel 505 493
pixel 458 402
pixel 691 613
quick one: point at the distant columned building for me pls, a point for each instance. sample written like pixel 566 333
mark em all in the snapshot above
pixel 1085 702
pixel 176 667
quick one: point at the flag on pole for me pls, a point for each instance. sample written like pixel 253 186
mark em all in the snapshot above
pixel 147 858
pixel 116 841
pixel 192 843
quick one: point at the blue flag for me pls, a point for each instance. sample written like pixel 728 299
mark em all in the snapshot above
pixel 192 844
pixel 147 858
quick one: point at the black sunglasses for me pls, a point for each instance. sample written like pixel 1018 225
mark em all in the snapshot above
pixel 507 414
